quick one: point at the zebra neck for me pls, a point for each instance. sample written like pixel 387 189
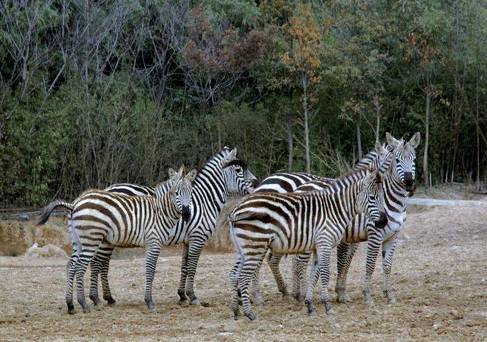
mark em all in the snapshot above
pixel 209 186
pixel 343 203
pixel 394 193
pixel 166 207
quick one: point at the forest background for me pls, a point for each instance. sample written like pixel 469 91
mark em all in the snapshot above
pixel 98 92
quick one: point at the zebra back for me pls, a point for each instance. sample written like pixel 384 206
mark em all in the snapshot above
pixel 131 189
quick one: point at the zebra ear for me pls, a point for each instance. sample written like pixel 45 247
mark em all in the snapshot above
pixel 415 140
pixel 191 175
pixel 379 148
pixel 180 172
pixel 230 157
pixel 391 140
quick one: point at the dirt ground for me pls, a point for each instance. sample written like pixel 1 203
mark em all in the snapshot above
pixel 439 273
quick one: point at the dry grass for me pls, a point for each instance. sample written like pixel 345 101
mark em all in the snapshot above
pixel 17 236
pixel 440 274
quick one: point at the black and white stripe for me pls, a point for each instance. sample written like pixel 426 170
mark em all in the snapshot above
pixel 293 223
pixel 101 217
pixel 100 263
pixel 222 175
pixel 398 185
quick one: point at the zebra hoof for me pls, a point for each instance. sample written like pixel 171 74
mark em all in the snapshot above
pixel 96 301
pixel 71 310
pixel 309 305
pixel 251 315
pixel 195 301
pixel 328 308
pixel 150 305
pixel 110 301
pixel 330 312
pixel 86 309
pixel 368 298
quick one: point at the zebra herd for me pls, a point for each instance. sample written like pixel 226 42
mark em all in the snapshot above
pixel 288 213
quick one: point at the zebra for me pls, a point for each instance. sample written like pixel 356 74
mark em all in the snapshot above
pixel 399 184
pixel 103 218
pixel 223 174
pixel 101 261
pixel 293 223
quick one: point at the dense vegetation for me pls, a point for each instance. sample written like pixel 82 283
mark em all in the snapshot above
pixel 96 92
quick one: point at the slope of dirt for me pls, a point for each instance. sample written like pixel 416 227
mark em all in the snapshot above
pixel 440 274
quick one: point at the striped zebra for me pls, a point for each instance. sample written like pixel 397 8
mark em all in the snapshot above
pixel 399 183
pixel 101 218
pixel 222 175
pixel 290 182
pixel 290 223
pixel 101 261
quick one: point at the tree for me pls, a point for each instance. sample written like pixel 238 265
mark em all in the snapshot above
pixel 303 62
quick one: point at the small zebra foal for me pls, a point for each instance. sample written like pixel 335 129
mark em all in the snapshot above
pixel 294 223
pixel 101 217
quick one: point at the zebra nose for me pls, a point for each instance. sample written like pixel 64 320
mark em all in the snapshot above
pixel 408 180
pixel 382 221
pixel 186 213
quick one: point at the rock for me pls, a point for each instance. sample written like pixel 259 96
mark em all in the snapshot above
pixel 46 251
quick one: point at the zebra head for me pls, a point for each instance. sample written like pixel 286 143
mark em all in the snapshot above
pixel 370 200
pixel 182 190
pixel 404 161
pixel 238 178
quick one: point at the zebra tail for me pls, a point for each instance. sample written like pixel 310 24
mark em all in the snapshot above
pixel 46 212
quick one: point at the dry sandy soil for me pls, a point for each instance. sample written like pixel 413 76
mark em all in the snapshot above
pixel 440 275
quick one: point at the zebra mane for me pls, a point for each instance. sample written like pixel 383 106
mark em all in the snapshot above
pixel 162 188
pixel 345 180
pixel 238 162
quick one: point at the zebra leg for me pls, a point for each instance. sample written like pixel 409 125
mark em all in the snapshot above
pixel 95 267
pixel 274 261
pixel 256 288
pixel 388 248
pixel 107 254
pixel 193 257
pixel 373 246
pixel 345 254
pixel 84 260
pixel 184 272
pixel 300 263
pixel 313 279
pixel 248 269
pixel 70 271
pixel 151 255
pixel 323 256
pixel 236 294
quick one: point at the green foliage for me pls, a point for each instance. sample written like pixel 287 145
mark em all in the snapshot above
pixel 93 93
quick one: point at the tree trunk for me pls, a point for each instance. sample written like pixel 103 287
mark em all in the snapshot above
pixel 290 143
pixel 477 101
pixel 359 141
pixel 426 140
pixel 306 128
pixel 377 122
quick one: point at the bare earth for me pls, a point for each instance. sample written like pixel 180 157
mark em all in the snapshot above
pixel 440 275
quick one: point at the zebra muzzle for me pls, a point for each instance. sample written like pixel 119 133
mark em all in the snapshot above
pixel 382 221
pixel 186 213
